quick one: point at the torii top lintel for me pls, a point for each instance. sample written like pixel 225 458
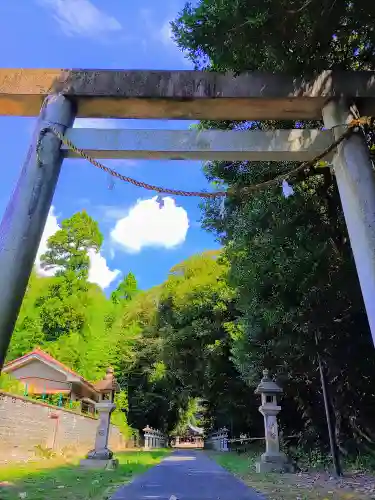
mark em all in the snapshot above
pixel 184 94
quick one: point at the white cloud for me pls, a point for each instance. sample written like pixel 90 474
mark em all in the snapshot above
pixel 160 32
pixel 148 225
pixel 166 33
pixel 81 17
pixel 157 32
pixel 111 213
pixel 99 271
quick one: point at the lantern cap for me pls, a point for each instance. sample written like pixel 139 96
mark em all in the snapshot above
pixel 108 383
pixel 267 385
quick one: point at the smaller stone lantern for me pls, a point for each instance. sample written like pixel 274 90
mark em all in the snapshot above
pixel 101 456
pixel 148 439
pixel 273 460
pixel 224 439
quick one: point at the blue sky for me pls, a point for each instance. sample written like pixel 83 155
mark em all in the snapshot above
pixel 111 34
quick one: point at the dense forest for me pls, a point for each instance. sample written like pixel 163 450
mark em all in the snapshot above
pixel 282 289
pixel 290 261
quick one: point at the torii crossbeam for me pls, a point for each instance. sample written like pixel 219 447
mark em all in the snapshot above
pixel 63 95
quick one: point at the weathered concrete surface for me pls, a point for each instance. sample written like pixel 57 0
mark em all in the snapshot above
pixel 187 475
pixel 183 94
pixel 355 179
pixel 252 145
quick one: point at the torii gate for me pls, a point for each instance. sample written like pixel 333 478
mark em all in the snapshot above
pixel 187 95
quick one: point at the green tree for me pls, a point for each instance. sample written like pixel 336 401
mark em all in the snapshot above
pixel 186 417
pixel 126 290
pixel 248 35
pixel 195 312
pixel 119 417
pixel 11 384
pixel 28 332
pixel 64 314
pixel 62 308
pixel 67 249
pixel 137 351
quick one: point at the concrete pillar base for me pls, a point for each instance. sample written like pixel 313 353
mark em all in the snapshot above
pixel 100 454
pixel 273 462
pixel 97 463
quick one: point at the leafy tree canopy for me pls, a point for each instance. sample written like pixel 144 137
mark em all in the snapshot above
pixel 68 248
pixel 277 35
pixel 126 290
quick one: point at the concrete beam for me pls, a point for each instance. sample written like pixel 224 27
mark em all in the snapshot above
pixel 183 94
pixel 279 145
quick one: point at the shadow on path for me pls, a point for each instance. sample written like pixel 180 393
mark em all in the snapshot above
pixel 186 475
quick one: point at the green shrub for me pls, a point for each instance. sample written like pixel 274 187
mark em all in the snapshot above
pixel 11 384
pixel 43 452
pixel 119 418
pixel 74 405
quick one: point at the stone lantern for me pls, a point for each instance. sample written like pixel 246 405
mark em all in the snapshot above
pixel 101 456
pixel 273 460
pixel 148 439
pixel 224 439
pixel 108 386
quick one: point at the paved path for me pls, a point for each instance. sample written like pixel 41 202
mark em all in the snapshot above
pixel 188 475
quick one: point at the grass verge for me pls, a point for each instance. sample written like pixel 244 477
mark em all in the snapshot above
pixel 57 480
pixel 280 486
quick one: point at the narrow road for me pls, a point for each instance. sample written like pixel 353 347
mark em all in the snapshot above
pixel 186 475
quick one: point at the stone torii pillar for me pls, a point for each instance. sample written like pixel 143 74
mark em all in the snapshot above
pixel 26 214
pixel 355 178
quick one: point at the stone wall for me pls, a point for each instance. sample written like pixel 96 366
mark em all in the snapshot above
pixel 26 424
